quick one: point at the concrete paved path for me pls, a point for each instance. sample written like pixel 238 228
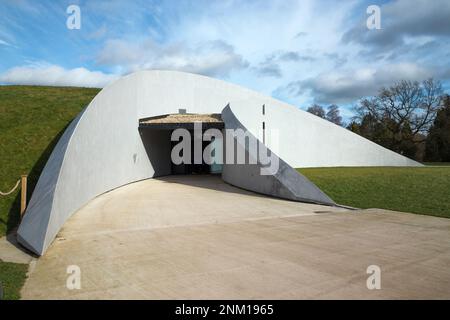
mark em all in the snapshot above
pixel 197 237
pixel 11 251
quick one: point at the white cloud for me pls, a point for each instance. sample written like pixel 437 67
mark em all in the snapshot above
pixel 53 75
pixel 400 20
pixel 98 33
pixel 271 66
pixel 347 86
pixel 213 58
pixel 245 42
pixel 222 38
pixel 4 43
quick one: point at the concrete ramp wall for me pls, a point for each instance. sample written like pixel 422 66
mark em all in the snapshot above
pixel 286 183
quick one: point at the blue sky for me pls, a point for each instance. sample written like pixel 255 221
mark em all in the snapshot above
pixel 301 52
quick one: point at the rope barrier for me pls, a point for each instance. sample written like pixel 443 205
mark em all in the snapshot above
pixel 13 189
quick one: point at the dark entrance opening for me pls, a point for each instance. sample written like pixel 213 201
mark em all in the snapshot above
pixel 156 135
pixel 192 168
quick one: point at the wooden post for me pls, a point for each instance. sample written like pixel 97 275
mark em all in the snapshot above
pixel 23 195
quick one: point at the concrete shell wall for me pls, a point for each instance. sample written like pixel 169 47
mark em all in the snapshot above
pixel 102 149
pixel 285 182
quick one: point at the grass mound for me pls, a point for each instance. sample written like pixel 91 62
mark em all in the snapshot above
pixel 12 278
pixel 424 190
pixel 32 119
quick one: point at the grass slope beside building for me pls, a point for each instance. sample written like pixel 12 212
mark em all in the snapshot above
pixel 32 118
pixel 423 190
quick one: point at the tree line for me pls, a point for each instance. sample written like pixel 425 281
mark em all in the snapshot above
pixel 409 117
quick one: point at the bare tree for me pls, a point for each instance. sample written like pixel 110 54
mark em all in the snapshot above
pixel 317 110
pixel 406 104
pixel 333 115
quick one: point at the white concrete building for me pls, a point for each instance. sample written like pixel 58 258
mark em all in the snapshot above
pixel 116 141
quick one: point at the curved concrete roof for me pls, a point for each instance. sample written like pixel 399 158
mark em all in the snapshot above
pixel 102 148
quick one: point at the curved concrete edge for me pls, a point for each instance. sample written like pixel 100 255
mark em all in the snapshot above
pixel 309 141
pixel 286 183
pixel 33 229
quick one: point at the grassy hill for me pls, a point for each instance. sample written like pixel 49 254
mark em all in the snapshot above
pixel 32 119
pixel 423 190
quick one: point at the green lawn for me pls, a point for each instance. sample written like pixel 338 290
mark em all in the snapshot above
pixel 423 190
pixel 31 121
pixel 12 278
pixel 438 164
